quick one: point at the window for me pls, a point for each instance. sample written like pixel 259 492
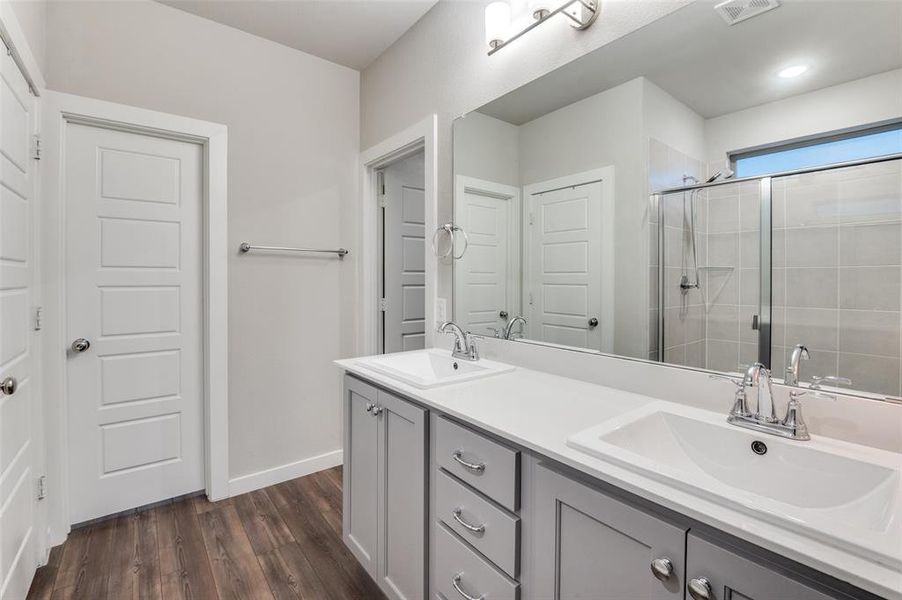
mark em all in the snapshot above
pixel 825 151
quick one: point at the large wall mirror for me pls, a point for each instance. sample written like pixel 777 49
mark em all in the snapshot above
pixel 698 193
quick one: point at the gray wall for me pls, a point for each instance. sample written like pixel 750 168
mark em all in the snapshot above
pixel 440 66
pixel 293 142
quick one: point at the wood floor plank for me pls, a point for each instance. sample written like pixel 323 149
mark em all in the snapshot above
pixel 84 572
pixel 262 522
pixel 45 577
pixel 202 504
pixel 184 566
pixel 328 489
pixel 235 569
pixel 135 568
pixel 283 541
pixel 313 535
pixel 290 574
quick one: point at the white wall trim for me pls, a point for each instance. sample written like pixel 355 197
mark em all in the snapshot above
pixel 608 202
pixel 267 477
pixel 12 33
pixel 59 110
pixel 422 135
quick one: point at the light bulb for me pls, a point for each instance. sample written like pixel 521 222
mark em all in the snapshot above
pixel 497 23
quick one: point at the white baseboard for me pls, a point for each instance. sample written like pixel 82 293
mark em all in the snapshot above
pixel 262 479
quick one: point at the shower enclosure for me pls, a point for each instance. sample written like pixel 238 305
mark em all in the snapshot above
pixel 808 257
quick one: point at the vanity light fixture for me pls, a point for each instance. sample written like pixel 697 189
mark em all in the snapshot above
pixel 793 71
pixel 503 25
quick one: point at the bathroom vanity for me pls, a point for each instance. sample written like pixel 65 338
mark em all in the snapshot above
pixel 470 490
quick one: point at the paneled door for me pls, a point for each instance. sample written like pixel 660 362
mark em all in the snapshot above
pixel 18 400
pixel 404 256
pixel 133 278
pixel 565 267
pixel 487 293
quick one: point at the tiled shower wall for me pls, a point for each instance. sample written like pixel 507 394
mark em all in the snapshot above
pixel 837 258
pixel 684 314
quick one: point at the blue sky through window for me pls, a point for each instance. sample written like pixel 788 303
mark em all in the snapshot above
pixel 868 145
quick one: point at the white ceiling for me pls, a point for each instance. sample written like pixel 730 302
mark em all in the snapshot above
pixel 717 69
pixel 349 32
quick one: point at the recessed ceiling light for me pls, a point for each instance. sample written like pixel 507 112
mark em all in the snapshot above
pixel 793 71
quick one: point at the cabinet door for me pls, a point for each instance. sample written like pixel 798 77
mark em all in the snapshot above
pixel 361 478
pixel 588 545
pixel 402 501
pixel 734 577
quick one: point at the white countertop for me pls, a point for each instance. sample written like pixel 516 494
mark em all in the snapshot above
pixel 540 411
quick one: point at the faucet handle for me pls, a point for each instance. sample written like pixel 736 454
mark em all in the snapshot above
pixel 737 381
pixel 740 402
pixel 829 379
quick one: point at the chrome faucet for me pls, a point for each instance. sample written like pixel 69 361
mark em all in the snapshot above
pixel 464 344
pixel 793 369
pixel 758 377
pixel 764 418
pixel 510 326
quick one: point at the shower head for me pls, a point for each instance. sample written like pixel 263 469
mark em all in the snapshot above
pixel 720 175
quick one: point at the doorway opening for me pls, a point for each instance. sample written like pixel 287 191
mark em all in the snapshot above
pixel 401 193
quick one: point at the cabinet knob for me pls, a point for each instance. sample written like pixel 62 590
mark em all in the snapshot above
pixel 593 322
pixel 370 406
pixel 8 386
pixel 662 568
pixel 700 588
pixel 377 410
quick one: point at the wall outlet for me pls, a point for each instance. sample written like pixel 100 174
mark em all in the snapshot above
pixel 441 310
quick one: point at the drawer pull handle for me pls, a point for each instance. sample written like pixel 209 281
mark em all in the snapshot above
pixel 476 468
pixel 474 528
pixel 455 581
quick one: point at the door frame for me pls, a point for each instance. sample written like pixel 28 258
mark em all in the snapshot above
pixel 60 110
pixel 605 176
pixel 421 136
pixel 464 184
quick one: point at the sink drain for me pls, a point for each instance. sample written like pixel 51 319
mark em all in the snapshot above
pixel 759 447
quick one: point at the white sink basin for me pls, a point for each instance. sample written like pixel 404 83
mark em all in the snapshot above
pixel 829 489
pixel 431 368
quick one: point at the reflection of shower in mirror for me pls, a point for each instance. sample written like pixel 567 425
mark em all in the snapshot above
pixel 689 220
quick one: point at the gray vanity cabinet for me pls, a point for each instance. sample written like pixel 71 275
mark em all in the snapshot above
pixel 385 488
pixel 714 571
pixel 588 545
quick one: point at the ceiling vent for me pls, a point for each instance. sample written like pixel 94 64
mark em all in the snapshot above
pixel 735 11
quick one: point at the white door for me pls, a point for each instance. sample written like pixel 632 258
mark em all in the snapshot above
pixel 486 286
pixel 133 278
pixel 565 266
pixel 18 451
pixel 404 256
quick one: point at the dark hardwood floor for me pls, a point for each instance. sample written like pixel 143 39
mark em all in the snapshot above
pixel 280 542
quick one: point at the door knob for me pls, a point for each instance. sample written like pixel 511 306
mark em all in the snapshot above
pixel 700 589
pixel 9 386
pixel 80 345
pixel 593 322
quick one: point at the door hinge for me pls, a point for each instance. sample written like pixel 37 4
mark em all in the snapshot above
pixel 532 219
pixel 36 147
pixel 382 305
pixel 530 299
pixel 38 315
pixel 41 491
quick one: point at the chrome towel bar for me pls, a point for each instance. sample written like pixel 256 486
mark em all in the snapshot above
pixel 247 247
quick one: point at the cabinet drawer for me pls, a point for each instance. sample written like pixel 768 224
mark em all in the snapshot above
pixel 486 465
pixel 500 532
pixel 456 564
